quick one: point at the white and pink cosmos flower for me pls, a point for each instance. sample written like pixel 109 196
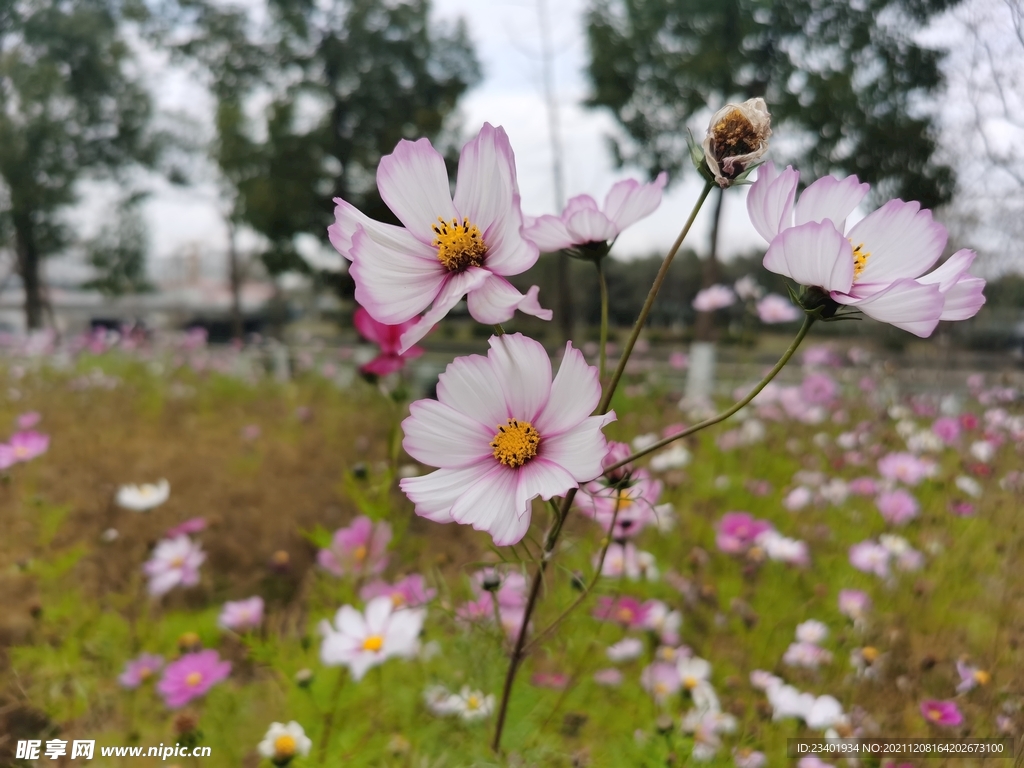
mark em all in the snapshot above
pixel 716 297
pixel 877 266
pixel 361 641
pixel 502 432
pixel 583 222
pixel 242 615
pixel 174 562
pixel 449 247
pixel 774 308
pixel 388 339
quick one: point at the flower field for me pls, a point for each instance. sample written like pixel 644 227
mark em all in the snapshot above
pixel 838 558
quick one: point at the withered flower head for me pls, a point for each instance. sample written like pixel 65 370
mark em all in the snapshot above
pixel 737 137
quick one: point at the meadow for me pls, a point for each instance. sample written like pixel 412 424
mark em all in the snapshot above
pixel 875 569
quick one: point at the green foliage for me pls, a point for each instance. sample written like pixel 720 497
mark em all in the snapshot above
pixel 848 78
pixel 341 86
pixel 118 254
pixel 71 105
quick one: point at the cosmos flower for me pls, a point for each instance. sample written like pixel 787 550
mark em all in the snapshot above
pixel 190 526
pixel 944 713
pixel 191 676
pixel 774 308
pixel 23 446
pixel 811 631
pixel 28 420
pixel 947 428
pixel 241 615
pixel 173 562
pixel 736 139
pixel 503 432
pixel 140 669
pixel 360 548
pixel 661 680
pixel 904 467
pixel 737 531
pixel 388 338
pixel 877 266
pixel 410 592
pixel 627 611
pixel 583 224
pixel 635 503
pixel 448 247
pixel 747 288
pixel 806 655
pixel 141 498
pixel 715 297
pixel 870 557
pixel 970 676
pixel 627 649
pixel 897 507
pixel 282 743
pixel 361 641
pixel 471 705
pixel 854 604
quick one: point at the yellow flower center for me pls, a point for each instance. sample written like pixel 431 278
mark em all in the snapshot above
pixel 690 682
pixel 459 246
pixel 624 500
pixel 397 599
pixel 473 702
pixel 626 615
pixel 934 714
pixel 145 673
pixel 734 135
pixel 373 643
pixel 869 654
pixel 982 677
pixel 515 443
pixel 860 259
pixel 660 689
pixel 193 679
pixel 177 562
pixel 284 746
pixel 359 553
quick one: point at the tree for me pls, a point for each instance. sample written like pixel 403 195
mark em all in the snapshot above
pixel 846 80
pixel 118 252
pixel 341 84
pixel 70 107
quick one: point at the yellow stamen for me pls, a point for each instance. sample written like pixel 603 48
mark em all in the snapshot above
pixel 459 246
pixel 20 451
pixel 373 643
pixel 982 677
pixel 624 500
pixel 626 615
pixel 860 259
pixel 193 679
pixel 516 443
pixel 397 599
pixel 690 682
pixel 359 553
pixel 734 135
pixel 473 702
pixel 869 654
pixel 284 746
pixel 660 689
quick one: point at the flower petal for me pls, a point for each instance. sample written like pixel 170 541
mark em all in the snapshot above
pixel 575 393
pixel 523 370
pixel 490 505
pixel 830 198
pixel 902 239
pixel 813 255
pixel 348 220
pixel 548 233
pixel 350 622
pixel 581 450
pixel 455 286
pixel 413 182
pixel 629 201
pixel 496 301
pixel 469 385
pixel 906 304
pixel 393 285
pixel 369 328
pixel 770 200
pixel 964 299
pixel 440 436
pixel 589 226
pixel 950 271
pixel 377 612
pixel 544 478
pixel 436 493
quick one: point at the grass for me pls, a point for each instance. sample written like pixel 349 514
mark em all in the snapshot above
pixel 75 608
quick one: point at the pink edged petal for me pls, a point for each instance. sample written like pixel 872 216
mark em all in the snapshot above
pixel 348 220
pixel 434 495
pixel 629 201
pixel 350 622
pixel 383 365
pixel 496 300
pixel 369 328
pixel 950 271
pixel 830 198
pixel 469 385
pixel 964 299
pixel 523 370
pixel 510 529
pixel 770 200
pixel 814 255
pixel 544 478
pixel 579 203
pixel 905 304
pixel 575 393
pixel 457 285
pixel 393 286
pixel 441 436
pixel 490 505
pixel 581 450
pixel 590 227
pixel 902 239
pixel 549 234
pixel 413 182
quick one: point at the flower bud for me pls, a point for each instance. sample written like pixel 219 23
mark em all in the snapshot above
pixel 737 138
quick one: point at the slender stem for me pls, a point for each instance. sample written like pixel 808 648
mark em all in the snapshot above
pixel 603 286
pixel 332 705
pixel 606 399
pixel 498 330
pixel 808 321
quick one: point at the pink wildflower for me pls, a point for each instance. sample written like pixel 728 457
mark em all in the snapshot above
pixel 448 247
pixel 715 297
pixel 970 676
pixel 635 503
pixel 947 429
pixel 737 531
pixel 870 557
pixel 774 308
pixel 905 467
pixel 361 548
pixel 140 669
pixel 945 713
pixel 191 676
pixel 23 446
pixel 897 507
pixel 627 611
pixel 28 420
pixel 503 432
pixel 854 604
pixel 241 615
pixel 190 526
pixel 818 389
pixel 410 592
pixel 387 337
pixel 661 680
pixel 173 562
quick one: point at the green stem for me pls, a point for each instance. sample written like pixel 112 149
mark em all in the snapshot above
pixel 603 286
pixel 332 707
pixel 606 399
pixel 498 330
pixel 808 321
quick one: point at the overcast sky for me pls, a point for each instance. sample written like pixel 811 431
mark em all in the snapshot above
pixel 506 36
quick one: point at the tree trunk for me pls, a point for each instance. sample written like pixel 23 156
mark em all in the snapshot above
pixel 235 277
pixel 704 329
pixel 29 269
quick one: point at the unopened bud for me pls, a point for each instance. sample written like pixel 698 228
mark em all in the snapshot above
pixel 737 138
